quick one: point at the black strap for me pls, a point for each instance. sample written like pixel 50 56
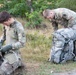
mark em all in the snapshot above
pixel 74 51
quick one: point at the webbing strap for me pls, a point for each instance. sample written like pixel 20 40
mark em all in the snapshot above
pixel 67 40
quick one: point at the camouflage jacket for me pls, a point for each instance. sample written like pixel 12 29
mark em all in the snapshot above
pixel 63 16
pixel 14 35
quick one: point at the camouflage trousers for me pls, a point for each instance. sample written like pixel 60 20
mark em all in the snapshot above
pixel 11 61
pixel 62 45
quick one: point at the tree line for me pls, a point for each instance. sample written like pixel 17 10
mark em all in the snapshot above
pixel 31 9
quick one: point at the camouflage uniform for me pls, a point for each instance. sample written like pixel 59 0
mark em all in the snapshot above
pixel 63 48
pixel 63 16
pixel 14 35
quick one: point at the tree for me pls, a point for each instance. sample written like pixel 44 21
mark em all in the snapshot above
pixel 29 2
pixel 31 9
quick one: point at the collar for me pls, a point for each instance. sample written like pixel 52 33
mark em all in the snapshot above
pixel 12 24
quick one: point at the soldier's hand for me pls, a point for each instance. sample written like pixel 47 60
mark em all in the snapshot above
pixel 6 48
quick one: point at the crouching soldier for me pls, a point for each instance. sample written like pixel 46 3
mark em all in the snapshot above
pixel 62 48
pixel 15 39
pixel 62 16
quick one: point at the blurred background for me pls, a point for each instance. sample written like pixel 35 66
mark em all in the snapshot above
pixel 38 31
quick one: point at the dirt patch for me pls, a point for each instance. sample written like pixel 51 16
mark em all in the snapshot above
pixel 32 68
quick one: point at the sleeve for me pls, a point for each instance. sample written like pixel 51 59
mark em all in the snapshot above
pixel 21 38
pixel 64 19
pixel 66 15
pixel 55 25
pixel 64 22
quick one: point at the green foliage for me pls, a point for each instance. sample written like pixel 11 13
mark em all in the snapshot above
pixel 71 4
pixel 40 5
pixel 21 8
pixel 7 5
pixel 34 19
pixel 15 7
pixel 1 1
pixel 19 12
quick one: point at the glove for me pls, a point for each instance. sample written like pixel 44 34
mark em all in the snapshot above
pixel 6 48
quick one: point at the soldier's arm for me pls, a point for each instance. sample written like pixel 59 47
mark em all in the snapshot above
pixel 64 22
pixel 65 19
pixel 55 25
pixel 65 16
pixel 21 38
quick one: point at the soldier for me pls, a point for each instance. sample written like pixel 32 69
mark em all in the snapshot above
pixel 62 48
pixel 13 35
pixel 63 16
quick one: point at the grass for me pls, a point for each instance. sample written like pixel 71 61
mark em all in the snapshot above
pixel 37 47
pixel 57 67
